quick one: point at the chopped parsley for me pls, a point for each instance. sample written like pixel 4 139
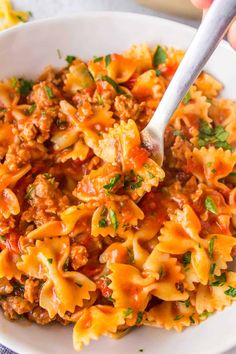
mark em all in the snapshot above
pixel 107 60
pixel 219 280
pixel 25 86
pixel 179 133
pixel 159 56
pixel 209 164
pixel 133 181
pixel 22 19
pixel 116 87
pixel 192 319
pixel 30 13
pixel 110 298
pixel 103 223
pixel 13 81
pixel 18 286
pixel 112 183
pixel 99 98
pixel 232 174
pixel 66 264
pixel 187 98
pixel 162 272
pixel 104 211
pixel 70 59
pixel 29 191
pixel 139 317
pixel 210 205
pixel 3 238
pixel 178 317
pixel 216 136
pixel 150 174
pixel 158 72
pixel 187 302
pixel 231 291
pixel 113 219
pixel 96 59
pixel 212 268
pixel 128 312
pixel 205 314
pixel 30 110
pixel 49 92
pixel 186 259
pixel 130 255
pixel 50 260
pixel 211 246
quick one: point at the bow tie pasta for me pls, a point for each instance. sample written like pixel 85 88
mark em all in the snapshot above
pixel 92 230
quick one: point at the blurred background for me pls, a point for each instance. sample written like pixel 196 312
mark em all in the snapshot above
pixel 178 10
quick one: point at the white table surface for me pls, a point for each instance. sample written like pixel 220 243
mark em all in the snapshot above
pixel 49 8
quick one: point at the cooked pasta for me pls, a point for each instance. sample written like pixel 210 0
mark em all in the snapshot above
pixel 92 230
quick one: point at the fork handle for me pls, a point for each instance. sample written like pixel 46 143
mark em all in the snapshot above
pixel 210 32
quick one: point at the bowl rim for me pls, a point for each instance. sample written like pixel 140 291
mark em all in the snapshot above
pixel 18 345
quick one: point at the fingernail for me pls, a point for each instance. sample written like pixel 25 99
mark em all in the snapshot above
pixel 232 35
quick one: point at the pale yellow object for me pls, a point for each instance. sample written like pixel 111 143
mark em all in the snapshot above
pixel 182 8
pixel 9 17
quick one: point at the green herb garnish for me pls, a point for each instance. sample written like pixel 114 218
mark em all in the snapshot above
pixel 22 19
pixel 30 110
pixel 25 86
pixel 216 136
pixel 212 268
pixel 112 183
pixel 102 223
pixel 187 302
pixel 210 205
pixel 186 259
pixel 66 265
pixel 29 191
pixel 192 319
pixel 99 98
pixel 113 219
pixel 70 59
pixel 219 280
pixel 158 72
pixel 186 98
pixel 231 291
pixel 159 56
pixel 104 211
pixel 178 317
pixel 49 92
pixel 205 314
pixel 211 246
pixel 50 260
pixel 118 89
pixel 139 317
pixel 128 312
pixel 232 174
pixel 107 60
pixel 179 133
pixel 3 238
pixel 96 59
pixel 150 174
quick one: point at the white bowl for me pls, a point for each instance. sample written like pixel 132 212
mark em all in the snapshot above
pixel 25 51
